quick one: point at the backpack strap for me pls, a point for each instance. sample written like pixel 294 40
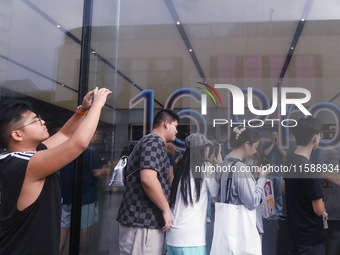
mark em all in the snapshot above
pixel 229 181
pixel 131 173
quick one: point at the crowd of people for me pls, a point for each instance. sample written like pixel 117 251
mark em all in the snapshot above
pixel 167 201
pixel 185 230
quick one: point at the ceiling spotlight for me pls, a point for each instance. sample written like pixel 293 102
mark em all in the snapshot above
pixel 190 50
pixel 292 48
pixel 178 23
pixel 58 26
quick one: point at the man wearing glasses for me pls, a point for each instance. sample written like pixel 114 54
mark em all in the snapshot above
pixel 30 186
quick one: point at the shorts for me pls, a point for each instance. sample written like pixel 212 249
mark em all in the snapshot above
pixel 136 241
pixel 89 215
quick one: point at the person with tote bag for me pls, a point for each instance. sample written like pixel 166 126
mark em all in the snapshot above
pixel 235 231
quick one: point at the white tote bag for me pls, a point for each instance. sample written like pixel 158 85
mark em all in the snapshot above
pixel 235 231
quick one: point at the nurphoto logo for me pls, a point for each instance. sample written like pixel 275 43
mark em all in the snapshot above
pixel 238 105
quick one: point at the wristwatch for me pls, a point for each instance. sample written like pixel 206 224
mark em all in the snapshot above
pixel 80 112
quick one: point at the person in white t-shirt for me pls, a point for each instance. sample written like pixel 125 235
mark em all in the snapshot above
pixel 189 197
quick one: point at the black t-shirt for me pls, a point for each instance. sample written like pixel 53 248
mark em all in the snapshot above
pixel 304 226
pixel 36 229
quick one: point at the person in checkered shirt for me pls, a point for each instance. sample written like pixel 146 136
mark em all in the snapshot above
pixel 144 214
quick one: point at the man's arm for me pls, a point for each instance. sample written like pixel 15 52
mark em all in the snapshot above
pixel 72 124
pixel 45 162
pixel 153 189
pixel 268 150
pixel 318 207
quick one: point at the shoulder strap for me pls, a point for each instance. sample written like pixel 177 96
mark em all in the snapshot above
pixel 229 181
pixel 129 175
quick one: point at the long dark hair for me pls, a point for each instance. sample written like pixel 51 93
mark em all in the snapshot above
pixel 192 157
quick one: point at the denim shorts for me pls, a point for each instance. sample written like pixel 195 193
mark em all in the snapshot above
pixel 89 215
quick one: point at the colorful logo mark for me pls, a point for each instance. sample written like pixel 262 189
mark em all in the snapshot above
pixel 211 91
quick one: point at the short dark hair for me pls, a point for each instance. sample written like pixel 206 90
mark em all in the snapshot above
pixel 241 135
pixel 305 129
pixel 11 111
pixel 162 115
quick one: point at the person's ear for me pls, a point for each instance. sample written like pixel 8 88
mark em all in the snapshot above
pixel 165 124
pixel 16 135
pixel 247 145
pixel 315 141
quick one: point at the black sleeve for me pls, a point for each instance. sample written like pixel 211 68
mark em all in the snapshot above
pixel 313 188
pixel 41 147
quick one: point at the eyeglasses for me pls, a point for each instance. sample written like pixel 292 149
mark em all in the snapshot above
pixel 36 118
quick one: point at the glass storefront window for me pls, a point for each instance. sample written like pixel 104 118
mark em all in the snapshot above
pixel 162 54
